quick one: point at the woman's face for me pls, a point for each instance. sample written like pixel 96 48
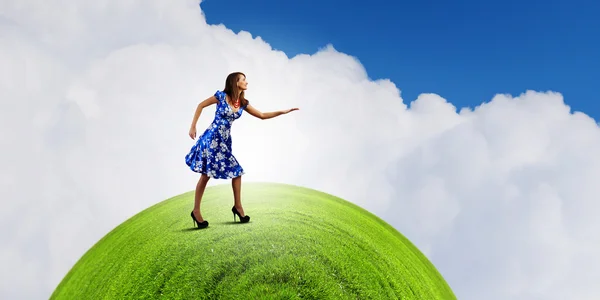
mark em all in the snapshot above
pixel 242 84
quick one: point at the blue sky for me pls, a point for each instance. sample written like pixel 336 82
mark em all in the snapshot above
pixel 464 51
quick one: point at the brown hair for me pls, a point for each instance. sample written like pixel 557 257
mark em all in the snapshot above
pixel 231 88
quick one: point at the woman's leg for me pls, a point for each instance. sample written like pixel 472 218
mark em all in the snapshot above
pixel 236 185
pixel 200 186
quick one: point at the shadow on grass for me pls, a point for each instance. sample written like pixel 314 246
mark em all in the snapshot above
pixel 190 229
pixel 232 223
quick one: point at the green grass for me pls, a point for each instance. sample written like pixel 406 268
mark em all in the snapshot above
pixel 299 244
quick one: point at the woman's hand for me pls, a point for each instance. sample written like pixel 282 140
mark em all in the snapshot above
pixel 289 110
pixel 193 132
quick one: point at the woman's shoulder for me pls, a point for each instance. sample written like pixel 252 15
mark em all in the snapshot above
pixel 220 95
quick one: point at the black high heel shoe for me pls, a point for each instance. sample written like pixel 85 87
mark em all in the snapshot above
pixel 244 219
pixel 200 224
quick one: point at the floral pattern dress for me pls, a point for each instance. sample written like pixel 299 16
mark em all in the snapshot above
pixel 211 154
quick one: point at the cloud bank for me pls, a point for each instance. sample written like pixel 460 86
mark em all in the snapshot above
pixel 97 98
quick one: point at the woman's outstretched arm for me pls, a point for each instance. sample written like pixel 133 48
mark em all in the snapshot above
pixel 267 115
pixel 208 102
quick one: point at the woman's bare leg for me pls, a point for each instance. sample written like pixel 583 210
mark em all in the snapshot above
pixel 236 185
pixel 200 186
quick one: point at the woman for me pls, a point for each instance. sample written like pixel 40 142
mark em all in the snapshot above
pixel 211 155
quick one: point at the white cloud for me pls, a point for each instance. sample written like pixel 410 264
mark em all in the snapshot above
pixel 97 97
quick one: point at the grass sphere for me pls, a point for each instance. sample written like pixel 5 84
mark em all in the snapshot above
pixel 299 244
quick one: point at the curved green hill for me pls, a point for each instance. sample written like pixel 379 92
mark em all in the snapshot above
pixel 299 244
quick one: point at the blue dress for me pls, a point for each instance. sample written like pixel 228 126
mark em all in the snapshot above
pixel 211 154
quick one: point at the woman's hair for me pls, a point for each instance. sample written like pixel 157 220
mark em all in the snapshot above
pixel 231 88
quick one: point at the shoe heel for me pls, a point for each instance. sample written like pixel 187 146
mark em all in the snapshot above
pixel 244 219
pixel 198 224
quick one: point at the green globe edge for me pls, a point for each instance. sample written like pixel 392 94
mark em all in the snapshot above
pixel 299 244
